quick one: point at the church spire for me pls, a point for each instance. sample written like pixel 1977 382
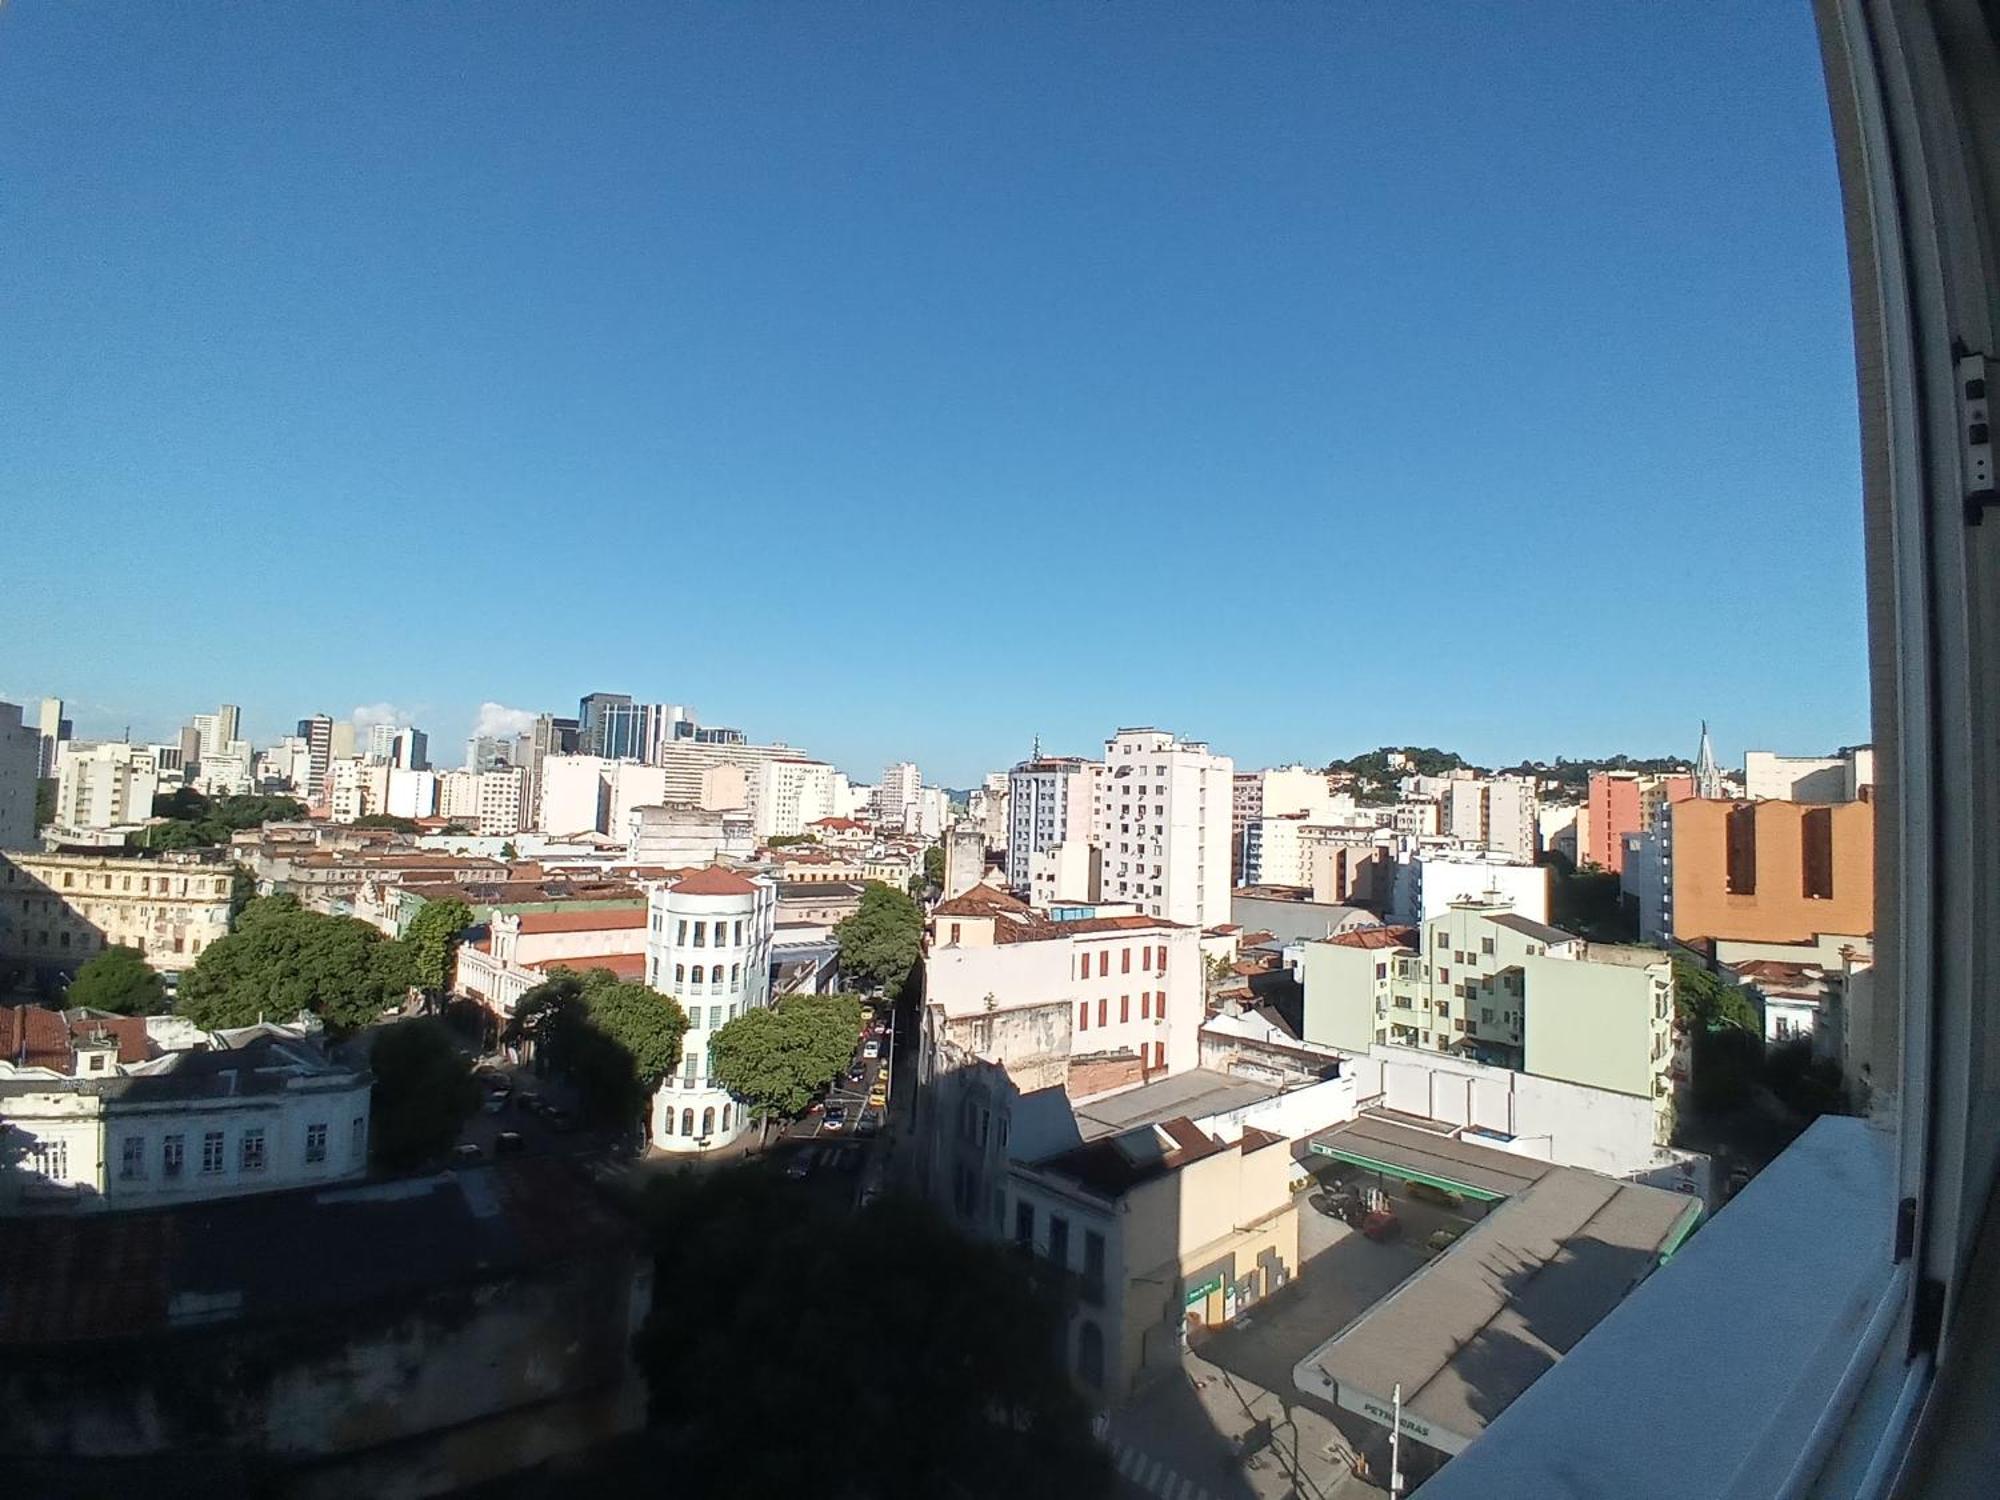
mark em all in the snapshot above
pixel 1707 779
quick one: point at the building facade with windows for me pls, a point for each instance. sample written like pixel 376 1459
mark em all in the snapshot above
pixel 20 756
pixel 99 1118
pixel 1048 803
pixel 1160 811
pixel 59 910
pixel 1768 872
pixel 108 785
pixel 708 944
pixel 1158 1233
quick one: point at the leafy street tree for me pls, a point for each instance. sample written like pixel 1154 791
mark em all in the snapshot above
pixel 786 840
pixel 1703 1003
pixel 934 866
pixel 281 960
pixel 880 943
pixel 195 821
pixel 118 979
pixel 508 851
pixel 613 1039
pixel 776 1060
pixel 432 938
pixel 424 1091
pixel 963 1355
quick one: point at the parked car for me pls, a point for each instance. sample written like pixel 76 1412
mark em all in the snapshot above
pixel 465 1152
pixel 1331 1204
pixel 1381 1224
pixel 509 1143
pixel 1441 1240
pixel 835 1118
pixel 1424 1192
pixel 872 1050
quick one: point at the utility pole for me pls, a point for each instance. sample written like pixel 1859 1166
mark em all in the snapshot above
pixel 1396 1445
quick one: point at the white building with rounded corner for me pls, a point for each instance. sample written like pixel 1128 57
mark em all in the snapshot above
pixel 708 944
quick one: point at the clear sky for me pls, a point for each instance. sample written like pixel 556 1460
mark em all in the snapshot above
pixel 906 381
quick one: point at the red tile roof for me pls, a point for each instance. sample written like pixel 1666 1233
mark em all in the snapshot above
pixel 129 1031
pixel 836 823
pixel 1374 937
pixel 31 1037
pixel 624 965
pixel 981 901
pixel 602 919
pixel 713 881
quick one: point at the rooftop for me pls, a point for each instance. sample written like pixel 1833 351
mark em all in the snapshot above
pixel 111 1276
pixel 593 919
pixel 1476 1327
pixel 1112 1165
pixel 714 880
pixel 1540 932
pixel 1194 1093
pixel 1373 937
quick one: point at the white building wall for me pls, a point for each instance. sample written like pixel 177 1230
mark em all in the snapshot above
pixel 691 1111
pixel 1048 802
pixel 411 794
pixel 574 798
pixel 1160 811
pixel 104 785
pixel 1434 882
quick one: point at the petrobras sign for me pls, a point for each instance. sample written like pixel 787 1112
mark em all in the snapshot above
pixel 1381 1410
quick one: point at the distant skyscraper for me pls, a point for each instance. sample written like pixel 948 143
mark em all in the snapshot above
pixel 317 732
pixel 54 730
pixel 20 756
pixel 381 743
pixel 590 712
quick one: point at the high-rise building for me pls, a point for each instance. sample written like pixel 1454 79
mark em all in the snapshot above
pixel 789 794
pixel 590 714
pixel 341 741
pixel 411 749
pixel 381 742
pixel 1048 803
pixel 108 785
pixel 317 732
pixel 20 761
pixel 1623 802
pixel 1160 812
pixel 55 729
pixel 896 794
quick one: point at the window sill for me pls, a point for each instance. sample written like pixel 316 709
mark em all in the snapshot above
pixel 1723 1371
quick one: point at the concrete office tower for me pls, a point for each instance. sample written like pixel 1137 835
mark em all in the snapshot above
pixel 216 732
pixel 381 743
pixel 1048 803
pixel 1623 802
pixel 1160 811
pixel 897 794
pixel 591 711
pixel 789 794
pixel 341 742
pixel 317 732
pixel 20 760
pixel 105 786
pixel 55 729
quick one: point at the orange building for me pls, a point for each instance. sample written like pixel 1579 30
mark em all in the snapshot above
pixel 1771 872
pixel 1623 802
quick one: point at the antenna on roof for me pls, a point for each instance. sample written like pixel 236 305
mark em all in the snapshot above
pixel 1036 753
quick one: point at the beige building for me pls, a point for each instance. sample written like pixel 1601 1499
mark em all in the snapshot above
pixel 1162 1231
pixel 59 910
pixel 107 785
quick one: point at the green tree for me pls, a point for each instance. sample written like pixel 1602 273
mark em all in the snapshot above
pixel 424 1092
pixel 787 840
pixel 386 820
pixel 776 1060
pixel 118 979
pixel 881 942
pixel 45 802
pixel 195 821
pixel 242 891
pixel 934 866
pixel 509 852
pixel 964 1359
pixel 282 960
pixel 173 836
pixel 613 1039
pixel 1702 1002
pixel 432 939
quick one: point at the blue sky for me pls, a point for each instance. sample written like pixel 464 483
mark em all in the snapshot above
pixel 906 381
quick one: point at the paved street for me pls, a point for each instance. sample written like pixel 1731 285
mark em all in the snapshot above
pixel 1232 1426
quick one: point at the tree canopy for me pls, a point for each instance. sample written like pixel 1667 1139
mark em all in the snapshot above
pixel 386 820
pixel 432 938
pixel 1702 1002
pixel 776 1060
pixel 196 822
pixel 962 1344
pixel 881 942
pixel 614 1039
pixel 934 865
pixel 424 1091
pixel 282 959
pixel 119 979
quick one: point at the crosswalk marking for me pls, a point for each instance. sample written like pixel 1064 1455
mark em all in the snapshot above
pixel 1151 1474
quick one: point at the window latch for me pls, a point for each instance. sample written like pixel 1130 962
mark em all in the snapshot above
pixel 1975 435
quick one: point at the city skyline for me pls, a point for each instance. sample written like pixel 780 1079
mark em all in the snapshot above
pixel 494 718
pixel 1405 363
